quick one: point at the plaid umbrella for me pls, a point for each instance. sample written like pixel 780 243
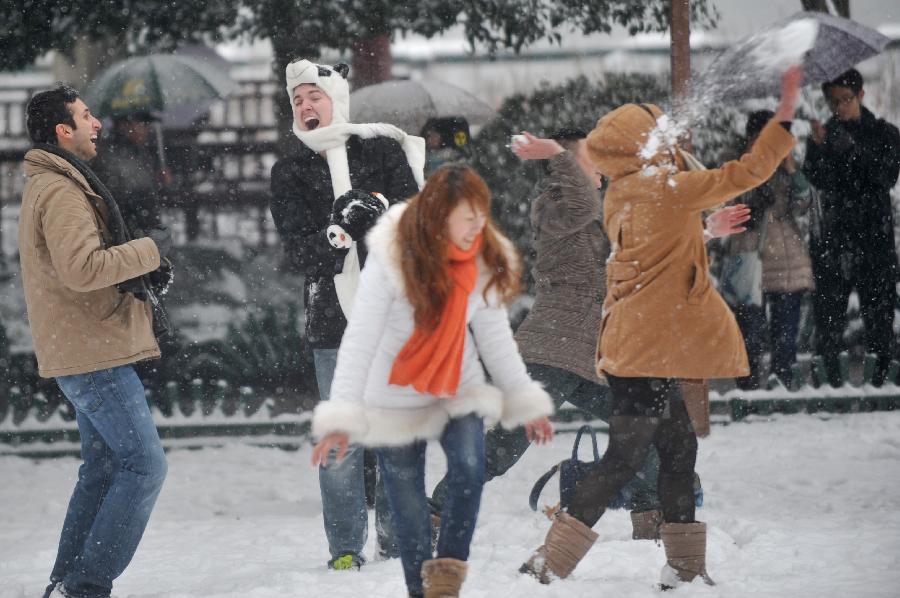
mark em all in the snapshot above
pixel 741 72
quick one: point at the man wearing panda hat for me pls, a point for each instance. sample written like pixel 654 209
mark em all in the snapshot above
pixel 323 202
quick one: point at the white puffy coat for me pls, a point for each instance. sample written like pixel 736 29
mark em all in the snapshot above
pixel 372 412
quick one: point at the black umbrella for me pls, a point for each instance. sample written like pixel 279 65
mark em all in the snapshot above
pixel 752 67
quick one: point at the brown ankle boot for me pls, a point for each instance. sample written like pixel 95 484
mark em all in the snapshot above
pixel 566 544
pixel 442 578
pixel 685 545
pixel 645 524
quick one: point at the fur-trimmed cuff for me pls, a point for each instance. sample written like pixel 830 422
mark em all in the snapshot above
pixel 339 416
pixel 525 404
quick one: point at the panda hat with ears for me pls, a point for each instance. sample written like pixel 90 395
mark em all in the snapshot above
pixel 332 80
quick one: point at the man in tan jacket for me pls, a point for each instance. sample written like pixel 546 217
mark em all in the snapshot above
pixel 84 292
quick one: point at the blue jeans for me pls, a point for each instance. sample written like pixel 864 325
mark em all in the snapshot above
pixel 122 474
pixel 403 469
pixel 504 448
pixel 343 488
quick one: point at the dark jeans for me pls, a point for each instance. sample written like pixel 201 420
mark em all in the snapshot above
pixel 342 485
pixel 122 474
pixel 784 312
pixel 646 412
pixel 503 448
pixel 403 469
pixel 877 295
pixel 751 319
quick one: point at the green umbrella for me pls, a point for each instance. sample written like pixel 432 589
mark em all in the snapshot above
pixel 157 83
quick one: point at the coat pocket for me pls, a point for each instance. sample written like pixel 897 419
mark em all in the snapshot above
pixel 700 285
pixel 103 304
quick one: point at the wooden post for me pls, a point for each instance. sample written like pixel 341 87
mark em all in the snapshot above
pixel 680 36
pixel 680 28
pixel 372 61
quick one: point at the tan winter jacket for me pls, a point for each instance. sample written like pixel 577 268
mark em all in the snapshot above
pixel 562 327
pixel 79 321
pixel 662 317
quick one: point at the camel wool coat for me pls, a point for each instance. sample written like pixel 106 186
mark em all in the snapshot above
pixel 662 318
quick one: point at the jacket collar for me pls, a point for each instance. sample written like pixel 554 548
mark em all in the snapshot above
pixel 38 161
pixel 867 120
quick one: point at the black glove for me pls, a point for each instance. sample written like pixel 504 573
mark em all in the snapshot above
pixel 163 239
pixel 162 277
pixel 354 213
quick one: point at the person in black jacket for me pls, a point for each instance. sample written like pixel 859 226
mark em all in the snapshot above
pixel 330 159
pixel 854 160
pixel 130 170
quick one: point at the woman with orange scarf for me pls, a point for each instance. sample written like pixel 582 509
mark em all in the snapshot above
pixel 431 304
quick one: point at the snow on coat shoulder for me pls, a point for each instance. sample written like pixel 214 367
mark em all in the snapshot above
pixel 374 413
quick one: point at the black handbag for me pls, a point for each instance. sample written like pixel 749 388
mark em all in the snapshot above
pixel 571 472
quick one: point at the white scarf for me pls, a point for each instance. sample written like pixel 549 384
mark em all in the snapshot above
pixel 332 140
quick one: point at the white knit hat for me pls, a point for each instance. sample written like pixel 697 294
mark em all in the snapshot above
pixel 331 80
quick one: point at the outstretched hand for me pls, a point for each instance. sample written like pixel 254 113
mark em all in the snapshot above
pixel 535 148
pixel 539 431
pixel 727 221
pixel 791 82
pixel 323 449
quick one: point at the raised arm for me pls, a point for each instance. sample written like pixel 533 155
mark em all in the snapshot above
pixel 579 201
pixel 706 189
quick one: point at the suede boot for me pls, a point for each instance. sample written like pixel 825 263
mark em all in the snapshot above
pixel 645 524
pixel 566 544
pixel 442 578
pixel 685 545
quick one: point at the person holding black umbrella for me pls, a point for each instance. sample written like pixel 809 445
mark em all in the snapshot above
pixel 854 160
pixel 131 171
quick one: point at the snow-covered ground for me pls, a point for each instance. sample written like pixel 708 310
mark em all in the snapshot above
pixel 799 506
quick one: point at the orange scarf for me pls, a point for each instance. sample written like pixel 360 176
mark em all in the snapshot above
pixel 431 360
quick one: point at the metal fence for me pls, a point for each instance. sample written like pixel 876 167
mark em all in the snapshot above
pixel 220 166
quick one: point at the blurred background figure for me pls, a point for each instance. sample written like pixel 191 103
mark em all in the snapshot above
pixel 854 159
pixel 446 140
pixel 128 163
pixel 776 236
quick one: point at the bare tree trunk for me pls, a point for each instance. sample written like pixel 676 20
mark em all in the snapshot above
pixel 87 59
pixel 680 32
pixel 372 61
pixel 816 5
pixel 842 8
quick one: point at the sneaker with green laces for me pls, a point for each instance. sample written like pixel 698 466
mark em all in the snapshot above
pixel 346 562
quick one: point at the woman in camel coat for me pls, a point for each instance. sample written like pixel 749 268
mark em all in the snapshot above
pixel 663 321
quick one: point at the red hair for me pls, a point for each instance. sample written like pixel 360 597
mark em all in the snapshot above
pixel 423 242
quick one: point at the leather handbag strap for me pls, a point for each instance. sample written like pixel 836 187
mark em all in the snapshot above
pixel 586 428
pixel 539 487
